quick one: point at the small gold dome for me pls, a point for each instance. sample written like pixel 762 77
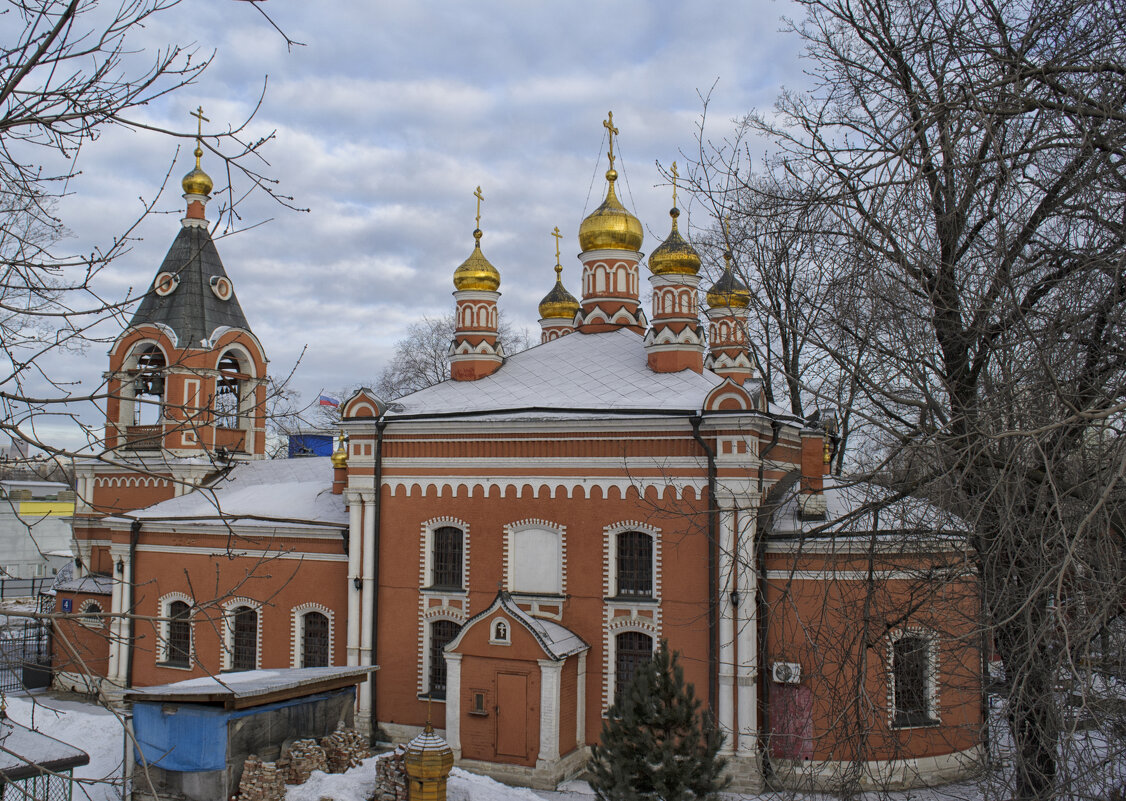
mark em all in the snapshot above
pixel 674 256
pixel 476 272
pixel 428 757
pixel 729 292
pixel 610 226
pixel 197 182
pixel 340 455
pixel 558 304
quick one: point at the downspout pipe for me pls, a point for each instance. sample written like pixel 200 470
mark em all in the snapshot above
pixel 373 565
pixel 134 536
pixel 713 568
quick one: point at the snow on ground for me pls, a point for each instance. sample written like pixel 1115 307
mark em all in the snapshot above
pixel 88 726
pixel 357 784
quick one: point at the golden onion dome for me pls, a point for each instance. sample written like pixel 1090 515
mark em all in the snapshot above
pixel 476 272
pixel 674 256
pixel 729 292
pixel 610 226
pixel 197 182
pixel 558 304
pixel 340 455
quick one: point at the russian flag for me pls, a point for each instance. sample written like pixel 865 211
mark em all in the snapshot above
pixel 328 400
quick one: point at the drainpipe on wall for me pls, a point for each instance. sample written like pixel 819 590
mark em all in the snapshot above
pixel 713 570
pixel 380 425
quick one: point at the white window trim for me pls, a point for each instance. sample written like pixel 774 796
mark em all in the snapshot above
pixel 510 532
pixel 229 608
pixel 97 623
pixel 494 625
pixel 610 669
pixel 162 651
pixel 932 684
pixel 432 615
pixel 426 557
pixel 297 631
pixel 610 559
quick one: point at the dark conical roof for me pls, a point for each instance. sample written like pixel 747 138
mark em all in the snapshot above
pixel 192 310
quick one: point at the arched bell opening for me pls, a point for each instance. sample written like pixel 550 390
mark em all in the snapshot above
pixel 233 401
pixel 142 412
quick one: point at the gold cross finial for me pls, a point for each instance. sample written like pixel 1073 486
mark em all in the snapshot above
pixel 200 120
pixel 727 241
pixel 477 194
pixel 675 175
pixel 558 266
pixel 608 124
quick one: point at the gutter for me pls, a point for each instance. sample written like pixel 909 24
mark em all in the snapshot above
pixel 713 569
pixel 380 425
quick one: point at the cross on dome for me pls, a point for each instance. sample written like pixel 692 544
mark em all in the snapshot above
pixel 608 124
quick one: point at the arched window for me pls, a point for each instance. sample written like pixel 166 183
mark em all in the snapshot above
pixel 228 391
pixel 913 680
pixel 244 640
pixel 446 556
pixel 442 633
pixel 92 615
pixel 148 386
pixel 314 640
pixel 178 641
pixel 631 650
pixel 635 564
pixel 500 631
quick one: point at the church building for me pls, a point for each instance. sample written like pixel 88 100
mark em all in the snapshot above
pixel 509 545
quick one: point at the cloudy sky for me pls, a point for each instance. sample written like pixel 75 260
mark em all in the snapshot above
pixel 385 121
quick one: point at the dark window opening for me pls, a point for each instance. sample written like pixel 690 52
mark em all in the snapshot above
pixel 149 381
pixel 632 649
pixel 442 633
pixel 244 650
pixel 635 564
pixel 910 674
pixel 314 640
pixel 92 614
pixel 228 392
pixel 447 557
pixel 179 634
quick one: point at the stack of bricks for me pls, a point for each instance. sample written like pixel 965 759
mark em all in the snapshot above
pixel 344 749
pixel 299 762
pixel 261 781
pixel 391 780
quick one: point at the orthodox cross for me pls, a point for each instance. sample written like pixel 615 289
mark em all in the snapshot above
pixel 200 120
pixel 557 236
pixel 608 124
pixel 477 194
pixel 675 175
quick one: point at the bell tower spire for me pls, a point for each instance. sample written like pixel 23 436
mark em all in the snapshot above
pixel 476 350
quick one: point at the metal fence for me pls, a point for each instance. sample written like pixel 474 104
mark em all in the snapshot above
pixel 24 587
pixel 25 655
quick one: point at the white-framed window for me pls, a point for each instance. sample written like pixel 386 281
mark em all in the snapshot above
pixel 499 632
pixel 445 555
pixel 92 614
pixel 633 559
pixel 913 678
pixel 535 558
pixel 632 648
pixel 437 634
pixel 242 634
pixel 313 635
pixel 175 646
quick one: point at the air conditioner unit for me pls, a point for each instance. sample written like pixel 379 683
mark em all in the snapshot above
pixel 786 672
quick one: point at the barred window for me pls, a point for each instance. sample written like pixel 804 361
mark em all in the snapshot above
pixel 447 555
pixel 631 650
pixel 442 633
pixel 244 650
pixel 179 634
pixel 912 674
pixel 635 564
pixel 314 640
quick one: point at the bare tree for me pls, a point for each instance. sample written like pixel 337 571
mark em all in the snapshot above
pixel 973 155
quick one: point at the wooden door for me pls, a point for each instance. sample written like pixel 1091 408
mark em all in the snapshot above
pixel 512 715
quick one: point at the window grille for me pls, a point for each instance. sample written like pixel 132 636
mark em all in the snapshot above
pixel 911 677
pixel 635 564
pixel 632 649
pixel 314 640
pixel 447 557
pixel 179 634
pixel 441 633
pixel 244 651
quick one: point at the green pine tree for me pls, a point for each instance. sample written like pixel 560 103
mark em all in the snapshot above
pixel 656 745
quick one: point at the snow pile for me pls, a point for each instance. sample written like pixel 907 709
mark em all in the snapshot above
pixel 357 785
pixel 95 730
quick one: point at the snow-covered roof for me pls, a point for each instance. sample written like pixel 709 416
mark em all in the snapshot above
pixel 557 641
pixel 269 493
pixel 857 507
pixel 91 585
pixel 25 753
pixel 249 687
pixel 594 372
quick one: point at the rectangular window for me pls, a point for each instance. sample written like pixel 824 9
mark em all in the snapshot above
pixel 442 633
pixel 447 556
pixel 179 635
pixel 911 674
pixel 635 564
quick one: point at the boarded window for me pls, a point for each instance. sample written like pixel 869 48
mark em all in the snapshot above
pixel 441 633
pixel 314 640
pixel 537 562
pixel 911 675
pixel 631 650
pixel 635 564
pixel 179 634
pixel 244 651
pixel 447 557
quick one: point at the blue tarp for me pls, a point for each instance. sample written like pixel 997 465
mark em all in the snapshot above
pixel 310 445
